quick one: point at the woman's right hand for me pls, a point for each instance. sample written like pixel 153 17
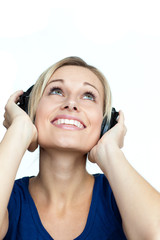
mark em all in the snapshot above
pixel 15 115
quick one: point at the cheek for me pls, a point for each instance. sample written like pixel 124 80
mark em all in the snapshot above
pixel 40 119
pixel 39 116
pixel 95 127
pixel 96 117
pixel 42 112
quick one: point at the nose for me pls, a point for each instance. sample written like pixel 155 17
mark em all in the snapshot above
pixel 70 105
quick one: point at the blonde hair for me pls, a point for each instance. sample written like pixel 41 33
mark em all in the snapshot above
pixel 42 81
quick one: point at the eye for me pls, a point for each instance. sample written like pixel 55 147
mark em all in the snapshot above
pixel 56 91
pixel 89 96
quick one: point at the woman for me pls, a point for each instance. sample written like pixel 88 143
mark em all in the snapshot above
pixel 63 201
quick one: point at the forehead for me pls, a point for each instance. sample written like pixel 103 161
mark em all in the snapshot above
pixel 77 74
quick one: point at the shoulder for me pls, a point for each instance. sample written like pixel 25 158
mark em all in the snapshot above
pixel 18 195
pixel 102 184
pixel 22 181
pixel 17 204
pixel 21 185
pixel 103 190
pixel 106 197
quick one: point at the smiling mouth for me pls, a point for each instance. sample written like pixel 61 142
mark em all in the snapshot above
pixel 69 123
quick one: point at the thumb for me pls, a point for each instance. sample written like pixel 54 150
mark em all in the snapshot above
pixel 33 146
pixel 91 156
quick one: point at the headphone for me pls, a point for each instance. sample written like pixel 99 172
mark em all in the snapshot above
pixel 24 99
pixel 108 125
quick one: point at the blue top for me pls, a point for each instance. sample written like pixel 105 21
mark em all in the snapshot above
pixel 104 221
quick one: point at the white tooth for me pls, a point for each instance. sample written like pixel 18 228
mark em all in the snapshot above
pixel 71 122
pixel 62 121
pixel 66 121
pixel 75 123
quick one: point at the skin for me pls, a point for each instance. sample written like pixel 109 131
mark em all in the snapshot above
pixel 73 102
pixel 63 188
pixel 62 157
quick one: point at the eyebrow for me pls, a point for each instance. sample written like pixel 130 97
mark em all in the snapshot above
pixel 86 83
pixel 55 80
pixel 61 80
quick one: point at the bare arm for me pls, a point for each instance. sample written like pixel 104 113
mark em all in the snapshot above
pixel 138 201
pixel 20 134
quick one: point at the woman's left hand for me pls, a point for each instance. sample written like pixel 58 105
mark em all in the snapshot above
pixel 112 139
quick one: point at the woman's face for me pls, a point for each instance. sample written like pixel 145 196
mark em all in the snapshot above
pixel 70 112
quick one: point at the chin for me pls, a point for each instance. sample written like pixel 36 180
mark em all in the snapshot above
pixel 68 142
pixel 67 145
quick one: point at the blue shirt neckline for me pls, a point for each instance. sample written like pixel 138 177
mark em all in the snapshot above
pixel 90 218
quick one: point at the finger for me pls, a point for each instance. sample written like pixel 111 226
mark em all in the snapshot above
pixel 125 130
pixel 91 159
pixel 15 96
pixel 121 117
pixel 5 124
pixel 33 146
pixel 91 155
pixel 6 117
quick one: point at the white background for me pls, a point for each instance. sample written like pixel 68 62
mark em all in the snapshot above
pixel 121 38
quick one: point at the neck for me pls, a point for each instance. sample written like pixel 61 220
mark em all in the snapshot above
pixel 62 175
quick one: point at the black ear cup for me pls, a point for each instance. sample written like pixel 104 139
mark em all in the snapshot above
pixel 24 99
pixel 108 125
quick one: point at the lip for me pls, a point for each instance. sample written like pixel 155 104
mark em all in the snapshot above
pixel 68 117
